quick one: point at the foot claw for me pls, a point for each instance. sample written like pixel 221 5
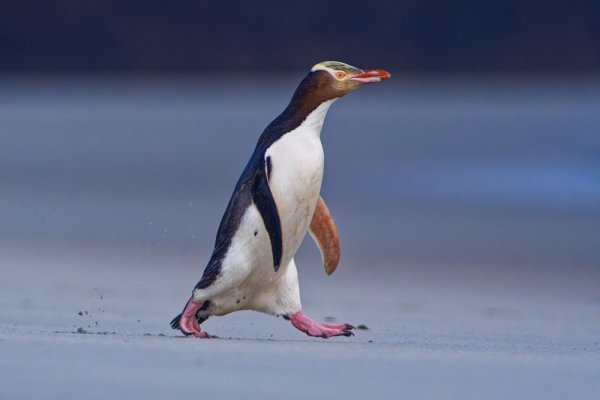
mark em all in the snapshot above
pixel 314 328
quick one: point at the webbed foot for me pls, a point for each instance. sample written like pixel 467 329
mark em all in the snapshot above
pixel 187 321
pixel 314 328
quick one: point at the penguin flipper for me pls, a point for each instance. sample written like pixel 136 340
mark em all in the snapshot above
pixel 325 234
pixel 264 201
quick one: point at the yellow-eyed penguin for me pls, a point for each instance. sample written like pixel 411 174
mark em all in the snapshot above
pixel 275 202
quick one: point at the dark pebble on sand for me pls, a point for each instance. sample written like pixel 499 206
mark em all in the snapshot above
pixel 80 313
pixel 362 326
pixel 81 331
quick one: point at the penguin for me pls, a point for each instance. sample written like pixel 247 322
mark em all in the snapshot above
pixel 276 201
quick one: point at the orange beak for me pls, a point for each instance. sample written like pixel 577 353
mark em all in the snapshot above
pixel 372 75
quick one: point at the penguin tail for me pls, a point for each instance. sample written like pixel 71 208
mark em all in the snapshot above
pixel 175 321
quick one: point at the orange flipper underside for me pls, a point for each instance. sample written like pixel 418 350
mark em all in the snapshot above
pixel 325 234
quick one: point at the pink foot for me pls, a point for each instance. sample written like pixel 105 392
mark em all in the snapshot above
pixel 338 326
pixel 188 323
pixel 314 328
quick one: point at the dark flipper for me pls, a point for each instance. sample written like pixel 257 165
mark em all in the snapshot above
pixel 263 198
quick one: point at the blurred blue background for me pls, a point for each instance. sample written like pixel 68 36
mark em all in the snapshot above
pixel 410 35
pixel 124 125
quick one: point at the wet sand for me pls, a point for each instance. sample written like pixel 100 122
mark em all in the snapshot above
pixel 88 326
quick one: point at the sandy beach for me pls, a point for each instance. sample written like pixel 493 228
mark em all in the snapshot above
pixel 103 333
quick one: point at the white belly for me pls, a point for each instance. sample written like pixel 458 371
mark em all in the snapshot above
pixel 295 182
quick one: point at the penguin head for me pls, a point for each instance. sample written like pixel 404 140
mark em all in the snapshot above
pixel 330 80
pixel 340 79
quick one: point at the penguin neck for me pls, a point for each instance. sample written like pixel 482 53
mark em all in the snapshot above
pixel 297 115
pixel 313 122
pixel 310 102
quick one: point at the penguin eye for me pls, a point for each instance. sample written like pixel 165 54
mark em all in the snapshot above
pixel 340 75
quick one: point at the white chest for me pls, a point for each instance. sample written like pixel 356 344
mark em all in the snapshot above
pixel 295 181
